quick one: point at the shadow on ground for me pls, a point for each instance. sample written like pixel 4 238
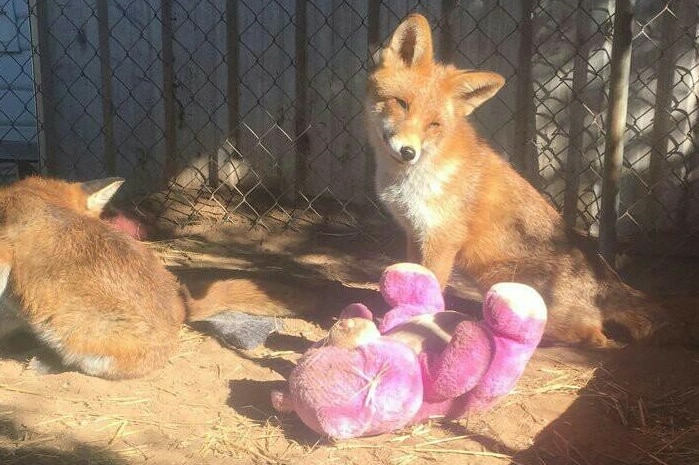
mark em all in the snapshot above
pixel 17 448
pixel 640 407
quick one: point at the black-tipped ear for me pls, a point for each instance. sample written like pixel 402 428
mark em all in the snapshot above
pixel 476 87
pixel 99 192
pixel 412 41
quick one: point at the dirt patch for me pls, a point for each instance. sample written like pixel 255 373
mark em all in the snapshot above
pixel 210 404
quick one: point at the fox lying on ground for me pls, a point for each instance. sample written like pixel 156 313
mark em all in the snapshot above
pixel 98 298
pixel 461 205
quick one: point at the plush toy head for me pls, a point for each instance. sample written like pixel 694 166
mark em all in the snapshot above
pixel 421 362
pixel 354 383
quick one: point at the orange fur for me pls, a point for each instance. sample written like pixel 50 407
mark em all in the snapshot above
pixel 461 205
pixel 97 297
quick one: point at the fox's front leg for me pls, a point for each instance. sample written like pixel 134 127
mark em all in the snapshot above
pixel 412 248
pixel 438 256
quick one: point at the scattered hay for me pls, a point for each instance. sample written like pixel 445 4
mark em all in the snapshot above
pixel 188 412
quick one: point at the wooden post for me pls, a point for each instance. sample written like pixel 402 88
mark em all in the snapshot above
pixel 169 91
pixel 662 121
pixel 374 42
pixel 447 48
pixel 690 23
pixel 616 126
pixel 577 116
pixel 43 87
pixel 525 156
pixel 233 63
pixel 106 91
pixel 301 86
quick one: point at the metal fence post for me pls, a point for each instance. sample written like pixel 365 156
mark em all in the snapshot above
pixel 301 92
pixel 44 84
pixel 616 125
pixel 168 57
pixel 525 157
pixel 106 91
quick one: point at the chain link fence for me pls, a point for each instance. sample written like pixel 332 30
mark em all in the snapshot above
pixel 252 110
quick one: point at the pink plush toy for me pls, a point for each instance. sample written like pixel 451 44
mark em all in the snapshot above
pixel 126 224
pixel 421 362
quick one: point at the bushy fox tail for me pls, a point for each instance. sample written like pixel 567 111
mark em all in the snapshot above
pixel 243 312
pixel 205 298
pixel 670 321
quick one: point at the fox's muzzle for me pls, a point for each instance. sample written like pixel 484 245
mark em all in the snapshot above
pixel 407 153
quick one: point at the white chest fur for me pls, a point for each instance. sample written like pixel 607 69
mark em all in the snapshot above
pixel 417 196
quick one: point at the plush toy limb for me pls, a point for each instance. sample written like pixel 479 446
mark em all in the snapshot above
pixel 516 316
pixel 356 311
pixel 409 283
pixel 400 315
pixel 352 332
pixel 410 290
pixel 460 366
pixel 239 329
pixel 282 402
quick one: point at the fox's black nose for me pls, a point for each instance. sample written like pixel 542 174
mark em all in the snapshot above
pixel 407 153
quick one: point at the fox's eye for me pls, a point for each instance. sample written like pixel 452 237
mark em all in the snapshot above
pixel 402 103
pixel 435 124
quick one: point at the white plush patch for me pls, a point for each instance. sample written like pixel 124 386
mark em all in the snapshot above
pixel 523 300
pixel 368 334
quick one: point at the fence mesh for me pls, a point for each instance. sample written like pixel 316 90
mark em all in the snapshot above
pixel 253 110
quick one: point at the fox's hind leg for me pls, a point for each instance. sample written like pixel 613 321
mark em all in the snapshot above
pixel 583 335
pixel 575 324
pixel 120 353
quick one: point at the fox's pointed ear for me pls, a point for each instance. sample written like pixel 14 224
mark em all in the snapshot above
pixel 475 87
pixel 412 41
pixel 99 192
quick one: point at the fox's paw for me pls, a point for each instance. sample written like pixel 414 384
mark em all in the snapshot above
pixel 240 330
pixel 45 365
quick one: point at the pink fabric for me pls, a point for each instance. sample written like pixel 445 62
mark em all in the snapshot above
pixel 402 313
pixel 356 311
pixel 408 283
pixel 357 392
pixel 516 315
pixel 130 226
pixel 460 366
pixel 383 385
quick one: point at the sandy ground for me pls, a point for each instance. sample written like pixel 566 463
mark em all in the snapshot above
pixel 210 404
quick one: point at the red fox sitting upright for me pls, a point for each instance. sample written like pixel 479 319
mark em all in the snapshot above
pixel 99 299
pixel 462 205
